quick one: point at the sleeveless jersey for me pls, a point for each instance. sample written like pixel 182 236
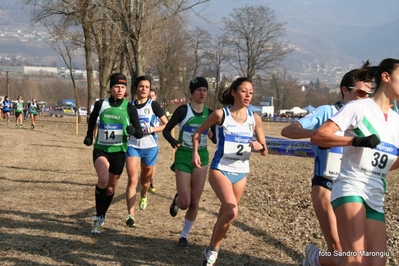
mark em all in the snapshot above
pixel 20 107
pixel 364 170
pixel 33 108
pixel 7 106
pixel 147 119
pixel 189 125
pixel 232 146
pixel 327 162
pixel 112 134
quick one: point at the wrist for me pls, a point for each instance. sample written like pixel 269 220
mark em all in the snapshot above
pixel 263 148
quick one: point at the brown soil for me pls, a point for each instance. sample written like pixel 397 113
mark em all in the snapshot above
pixel 47 200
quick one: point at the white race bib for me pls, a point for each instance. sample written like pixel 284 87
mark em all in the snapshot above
pixel 237 147
pixel 111 134
pixel 333 164
pixel 378 161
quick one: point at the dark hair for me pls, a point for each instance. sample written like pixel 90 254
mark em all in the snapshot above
pixel 388 65
pixel 365 74
pixel 141 78
pixel 225 96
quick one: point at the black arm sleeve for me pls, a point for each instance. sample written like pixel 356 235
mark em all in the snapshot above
pixel 158 111
pixel 134 120
pixel 93 118
pixel 176 118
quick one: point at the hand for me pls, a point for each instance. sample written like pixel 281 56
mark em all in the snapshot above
pixel 88 141
pixel 210 134
pixel 130 130
pixel 369 142
pixel 146 128
pixel 196 161
pixel 175 144
pixel 257 146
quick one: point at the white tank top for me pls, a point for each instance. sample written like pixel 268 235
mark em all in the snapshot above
pixel 232 147
pixel 146 117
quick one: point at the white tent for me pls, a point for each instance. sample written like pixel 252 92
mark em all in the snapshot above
pixel 297 111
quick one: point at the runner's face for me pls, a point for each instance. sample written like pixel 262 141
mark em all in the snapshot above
pixel 244 93
pixel 394 84
pixel 153 96
pixel 357 92
pixel 143 89
pixel 118 91
pixel 199 95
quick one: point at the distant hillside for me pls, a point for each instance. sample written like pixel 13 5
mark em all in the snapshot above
pixel 337 33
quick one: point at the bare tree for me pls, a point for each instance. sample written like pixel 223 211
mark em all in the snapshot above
pixel 140 18
pixel 167 58
pixel 285 89
pixel 69 13
pixel 254 40
pixel 198 41
pixel 217 56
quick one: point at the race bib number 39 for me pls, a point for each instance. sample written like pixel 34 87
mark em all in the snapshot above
pixel 378 161
pixel 111 134
pixel 237 147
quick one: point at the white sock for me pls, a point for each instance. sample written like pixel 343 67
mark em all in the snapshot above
pixel 186 228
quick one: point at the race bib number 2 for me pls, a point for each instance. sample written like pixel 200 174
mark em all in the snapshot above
pixel 237 147
pixel 110 134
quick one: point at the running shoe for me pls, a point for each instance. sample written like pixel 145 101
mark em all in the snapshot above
pixel 152 188
pixel 16 126
pixel 32 127
pixel 20 126
pixel 183 242
pixel 130 221
pixel 210 257
pixel 312 257
pixel 143 203
pixel 97 225
pixel 173 209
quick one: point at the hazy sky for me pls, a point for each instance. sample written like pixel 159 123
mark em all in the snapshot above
pixel 359 28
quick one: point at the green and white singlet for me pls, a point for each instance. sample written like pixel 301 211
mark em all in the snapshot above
pixel 33 108
pixel 364 170
pixel 112 134
pixel 189 125
pixel 20 107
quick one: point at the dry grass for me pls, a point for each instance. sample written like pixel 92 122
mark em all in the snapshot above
pixel 47 200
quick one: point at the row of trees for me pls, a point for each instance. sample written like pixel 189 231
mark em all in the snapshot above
pixel 51 89
pixel 152 37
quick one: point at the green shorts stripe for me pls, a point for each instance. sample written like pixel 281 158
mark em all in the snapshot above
pixel 370 213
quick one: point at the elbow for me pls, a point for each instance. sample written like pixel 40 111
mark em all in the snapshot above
pixel 284 133
pixel 138 134
pixel 164 133
pixel 315 139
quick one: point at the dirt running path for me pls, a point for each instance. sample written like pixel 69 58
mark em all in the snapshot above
pixel 47 199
